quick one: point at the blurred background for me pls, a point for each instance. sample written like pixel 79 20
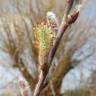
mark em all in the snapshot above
pixel 19 57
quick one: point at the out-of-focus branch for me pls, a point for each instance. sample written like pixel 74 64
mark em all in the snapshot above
pixel 26 74
pixel 20 64
pixel 64 25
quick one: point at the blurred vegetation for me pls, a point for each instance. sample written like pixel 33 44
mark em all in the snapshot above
pixel 17 39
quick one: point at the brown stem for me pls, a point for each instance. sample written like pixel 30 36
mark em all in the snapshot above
pixel 39 85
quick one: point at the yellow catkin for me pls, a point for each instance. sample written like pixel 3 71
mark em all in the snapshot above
pixel 44 41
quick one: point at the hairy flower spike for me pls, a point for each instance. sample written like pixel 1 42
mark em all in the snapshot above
pixel 52 21
pixel 44 40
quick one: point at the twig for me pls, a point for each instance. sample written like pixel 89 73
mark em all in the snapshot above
pixel 39 86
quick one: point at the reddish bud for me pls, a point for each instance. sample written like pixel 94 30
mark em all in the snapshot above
pixel 69 1
pixel 22 84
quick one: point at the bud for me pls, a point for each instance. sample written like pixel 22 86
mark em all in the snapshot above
pixel 72 17
pixel 24 87
pixel 52 21
pixel 69 1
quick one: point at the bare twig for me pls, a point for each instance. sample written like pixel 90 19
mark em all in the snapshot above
pixel 39 86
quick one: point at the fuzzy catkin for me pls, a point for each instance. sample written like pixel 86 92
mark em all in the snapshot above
pixel 44 41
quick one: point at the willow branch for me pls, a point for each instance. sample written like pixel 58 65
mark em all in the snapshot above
pixel 64 25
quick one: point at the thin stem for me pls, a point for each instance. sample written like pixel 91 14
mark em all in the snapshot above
pixel 39 85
